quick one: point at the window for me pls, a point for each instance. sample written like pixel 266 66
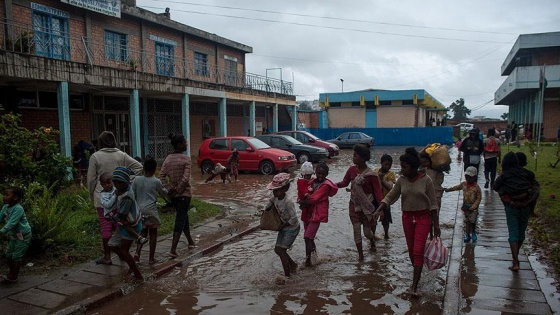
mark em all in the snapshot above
pixel 219 144
pixel 50 34
pixel 115 46
pixel 201 64
pixel 230 74
pixel 164 59
pixel 240 145
pixel 344 136
pixel 354 136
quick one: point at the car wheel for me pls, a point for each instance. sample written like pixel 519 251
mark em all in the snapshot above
pixel 207 167
pixel 304 157
pixel 266 168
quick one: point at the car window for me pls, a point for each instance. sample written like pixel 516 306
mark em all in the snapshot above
pixel 277 142
pixel 258 144
pixel 363 135
pixel 354 136
pixel 301 137
pixel 219 144
pixel 239 144
pixel 310 136
pixel 291 140
pixel 344 136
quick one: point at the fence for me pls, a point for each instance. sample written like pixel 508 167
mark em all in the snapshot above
pixel 394 136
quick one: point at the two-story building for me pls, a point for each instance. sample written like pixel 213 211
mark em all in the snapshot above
pixel 88 66
pixel 382 109
pixel 533 60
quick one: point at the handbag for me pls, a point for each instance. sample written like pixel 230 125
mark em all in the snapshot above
pixel 435 254
pixel 270 220
pixel 474 159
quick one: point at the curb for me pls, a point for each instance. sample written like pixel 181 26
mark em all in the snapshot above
pixel 451 295
pixel 110 295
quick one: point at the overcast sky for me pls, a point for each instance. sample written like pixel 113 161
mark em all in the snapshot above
pixel 452 49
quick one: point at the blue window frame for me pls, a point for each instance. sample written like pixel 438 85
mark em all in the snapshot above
pixel 164 59
pixel 116 46
pixel 51 36
pixel 201 64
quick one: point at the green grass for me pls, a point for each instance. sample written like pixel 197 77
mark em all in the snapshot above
pixel 546 226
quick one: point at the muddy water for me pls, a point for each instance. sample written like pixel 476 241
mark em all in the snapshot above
pixel 240 279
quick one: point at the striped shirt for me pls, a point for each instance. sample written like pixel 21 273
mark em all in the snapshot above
pixel 177 167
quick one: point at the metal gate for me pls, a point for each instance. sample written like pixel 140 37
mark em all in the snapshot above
pixel 164 117
pixel 112 114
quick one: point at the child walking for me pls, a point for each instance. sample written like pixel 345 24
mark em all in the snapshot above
pixel 128 214
pixel 108 199
pixel 388 179
pixel 290 223
pixel 365 195
pixel 233 163
pixel 146 189
pixel 17 228
pixel 316 208
pixel 472 195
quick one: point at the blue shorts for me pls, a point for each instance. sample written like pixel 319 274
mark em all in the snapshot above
pixel 286 237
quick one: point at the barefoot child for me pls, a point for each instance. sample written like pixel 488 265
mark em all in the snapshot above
pixel 316 203
pixel 388 179
pixel 17 228
pixel 221 170
pixel 128 214
pixel 472 195
pixel 146 189
pixel 290 223
pixel 233 163
pixel 108 199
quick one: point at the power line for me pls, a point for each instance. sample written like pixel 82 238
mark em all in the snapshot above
pixel 335 28
pixel 335 18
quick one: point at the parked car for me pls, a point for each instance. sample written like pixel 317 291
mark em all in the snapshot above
pixel 303 152
pixel 349 139
pixel 464 127
pixel 254 155
pixel 307 138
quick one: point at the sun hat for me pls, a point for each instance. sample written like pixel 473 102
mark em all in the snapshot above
pixel 471 171
pixel 279 181
pixel 306 168
pixel 121 174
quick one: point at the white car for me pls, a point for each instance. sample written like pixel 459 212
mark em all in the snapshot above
pixel 465 127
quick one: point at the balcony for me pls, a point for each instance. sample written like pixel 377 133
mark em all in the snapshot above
pixel 24 39
pixel 524 81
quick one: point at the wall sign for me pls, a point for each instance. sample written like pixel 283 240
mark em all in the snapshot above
pixel 107 7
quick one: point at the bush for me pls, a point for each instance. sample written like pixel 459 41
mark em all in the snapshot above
pixel 28 156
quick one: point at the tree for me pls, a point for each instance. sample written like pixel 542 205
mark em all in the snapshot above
pixel 304 105
pixel 504 116
pixel 460 111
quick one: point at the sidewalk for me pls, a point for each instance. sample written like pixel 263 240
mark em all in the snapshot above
pixel 87 286
pixel 478 279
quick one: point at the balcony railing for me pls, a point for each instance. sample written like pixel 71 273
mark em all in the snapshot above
pixel 26 39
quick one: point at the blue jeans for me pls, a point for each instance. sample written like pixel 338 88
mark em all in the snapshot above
pixel 517 220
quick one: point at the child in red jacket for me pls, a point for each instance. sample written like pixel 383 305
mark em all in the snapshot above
pixel 316 202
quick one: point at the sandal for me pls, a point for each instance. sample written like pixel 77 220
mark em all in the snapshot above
pixel 153 262
pixel 101 261
pixel 191 246
pixel 171 255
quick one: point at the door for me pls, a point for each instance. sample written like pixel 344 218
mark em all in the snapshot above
pixel 371 118
pixel 118 124
pixel 248 160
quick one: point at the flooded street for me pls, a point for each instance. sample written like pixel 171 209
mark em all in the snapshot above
pixel 240 279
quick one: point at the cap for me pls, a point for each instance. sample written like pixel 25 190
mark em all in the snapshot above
pixel 471 171
pixel 279 181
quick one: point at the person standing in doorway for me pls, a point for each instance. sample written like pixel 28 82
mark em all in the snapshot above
pixel 175 175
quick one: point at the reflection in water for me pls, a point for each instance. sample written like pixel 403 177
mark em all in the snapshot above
pixel 469 278
pixel 239 279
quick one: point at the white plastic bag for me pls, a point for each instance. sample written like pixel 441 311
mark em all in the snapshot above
pixel 435 254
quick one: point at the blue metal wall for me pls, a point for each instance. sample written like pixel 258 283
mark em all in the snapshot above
pixel 395 136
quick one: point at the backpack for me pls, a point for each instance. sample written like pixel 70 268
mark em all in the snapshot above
pixel 491 146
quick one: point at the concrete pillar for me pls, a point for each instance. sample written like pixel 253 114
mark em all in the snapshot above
pixel 294 118
pixel 275 118
pixel 252 118
pixel 135 123
pixel 222 117
pixel 64 118
pixel 186 118
pixel 146 127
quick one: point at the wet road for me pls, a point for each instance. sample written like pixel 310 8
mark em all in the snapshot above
pixel 240 279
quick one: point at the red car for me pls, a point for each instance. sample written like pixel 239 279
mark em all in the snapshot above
pixel 254 155
pixel 309 139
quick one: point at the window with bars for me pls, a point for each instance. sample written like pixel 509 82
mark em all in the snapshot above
pixel 201 64
pixel 116 46
pixel 50 34
pixel 164 59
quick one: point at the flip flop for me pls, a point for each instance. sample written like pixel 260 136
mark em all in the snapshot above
pixel 172 255
pixel 101 261
pixel 191 246
pixel 153 262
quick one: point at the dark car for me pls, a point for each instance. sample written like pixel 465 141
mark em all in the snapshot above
pixel 307 138
pixel 349 139
pixel 254 155
pixel 302 151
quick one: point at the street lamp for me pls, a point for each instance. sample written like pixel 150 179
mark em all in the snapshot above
pixel 342 82
pixel 281 84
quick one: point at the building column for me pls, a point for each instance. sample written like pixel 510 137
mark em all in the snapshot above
pixel 64 118
pixel 294 117
pixel 186 117
pixel 222 117
pixel 275 118
pixel 146 127
pixel 252 124
pixel 135 123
